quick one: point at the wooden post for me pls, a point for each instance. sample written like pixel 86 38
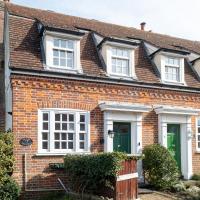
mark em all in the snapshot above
pixel 126 183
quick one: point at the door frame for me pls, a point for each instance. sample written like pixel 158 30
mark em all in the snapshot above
pixel 185 136
pixel 129 124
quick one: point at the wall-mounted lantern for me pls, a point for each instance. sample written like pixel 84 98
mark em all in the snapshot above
pixel 111 133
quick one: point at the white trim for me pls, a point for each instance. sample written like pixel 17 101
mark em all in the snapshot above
pixel 178 115
pixel 76 148
pixel 106 52
pixel 122 106
pixel 48 47
pixel 197 134
pixel 159 109
pixel 127 176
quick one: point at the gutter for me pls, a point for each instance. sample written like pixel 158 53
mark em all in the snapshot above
pixel 103 80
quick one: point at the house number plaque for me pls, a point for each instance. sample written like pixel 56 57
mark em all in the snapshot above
pixel 26 141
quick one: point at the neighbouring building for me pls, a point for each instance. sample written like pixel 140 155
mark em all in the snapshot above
pixel 70 82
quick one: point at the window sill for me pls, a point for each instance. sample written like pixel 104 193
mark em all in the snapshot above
pixel 63 70
pixel 122 77
pixel 173 83
pixel 197 151
pixel 61 154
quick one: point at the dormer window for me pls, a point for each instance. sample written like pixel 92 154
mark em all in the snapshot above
pixel 120 61
pixel 172 69
pixel 62 52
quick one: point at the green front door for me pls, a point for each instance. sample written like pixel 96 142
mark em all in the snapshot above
pixel 122 137
pixel 173 142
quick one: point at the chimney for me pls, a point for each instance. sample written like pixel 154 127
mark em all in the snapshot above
pixel 142 26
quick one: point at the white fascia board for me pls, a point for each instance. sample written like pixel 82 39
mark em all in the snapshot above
pixel 126 107
pixel 176 110
pixel 62 35
pixel 122 45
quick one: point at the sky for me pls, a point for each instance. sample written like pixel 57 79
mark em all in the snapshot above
pixel 178 18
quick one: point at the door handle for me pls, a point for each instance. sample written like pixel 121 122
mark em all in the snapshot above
pixel 118 145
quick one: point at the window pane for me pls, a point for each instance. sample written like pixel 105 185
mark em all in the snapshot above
pixel 64 145
pixel 198 144
pixel 64 126
pixel 70 44
pixel 45 117
pixel 64 117
pixel 82 118
pixel 45 126
pixel 81 136
pixel 199 122
pixel 63 62
pixel 55 53
pixel 63 44
pixel 57 145
pixel 70 145
pixel 114 51
pixel 57 117
pixel 71 126
pixel 44 136
pixel 198 138
pixel 82 145
pixel 57 126
pixel 70 136
pixel 119 52
pixel 44 145
pixel 71 118
pixel 56 42
pixel 64 136
pixel 62 54
pixel 82 127
pixel 57 136
pixel 198 129
pixel 55 61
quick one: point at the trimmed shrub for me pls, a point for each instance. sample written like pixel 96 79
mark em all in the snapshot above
pixel 160 168
pixel 196 177
pixel 9 190
pixel 93 172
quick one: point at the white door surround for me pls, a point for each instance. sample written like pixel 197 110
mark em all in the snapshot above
pixel 124 112
pixel 182 116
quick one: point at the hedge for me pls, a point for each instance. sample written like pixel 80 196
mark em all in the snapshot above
pixel 93 172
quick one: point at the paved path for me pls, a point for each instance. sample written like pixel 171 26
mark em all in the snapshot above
pixel 154 196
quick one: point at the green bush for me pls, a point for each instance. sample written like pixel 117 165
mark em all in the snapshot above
pixel 9 190
pixel 93 172
pixel 196 177
pixel 160 168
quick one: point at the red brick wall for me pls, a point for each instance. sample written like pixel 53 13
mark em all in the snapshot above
pixel 31 94
pixel 2 105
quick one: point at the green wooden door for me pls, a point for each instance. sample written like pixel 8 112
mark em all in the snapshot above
pixel 122 137
pixel 173 142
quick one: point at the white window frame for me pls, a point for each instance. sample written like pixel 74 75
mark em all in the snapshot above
pixel 49 46
pixel 197 134
pixel 106 52
pixel 181 69
pixel 77 131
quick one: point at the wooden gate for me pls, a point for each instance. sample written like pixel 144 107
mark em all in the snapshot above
pixel 126 183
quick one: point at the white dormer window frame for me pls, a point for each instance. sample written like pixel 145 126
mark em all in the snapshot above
pixel 62 52
pixel 172 69
pixel 119 60
pixel 198 134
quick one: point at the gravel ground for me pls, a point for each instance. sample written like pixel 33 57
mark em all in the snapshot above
pixel 154 196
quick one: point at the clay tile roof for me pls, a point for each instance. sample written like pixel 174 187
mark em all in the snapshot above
pixel 19 27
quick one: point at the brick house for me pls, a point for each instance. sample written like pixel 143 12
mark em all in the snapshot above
pixel 70 82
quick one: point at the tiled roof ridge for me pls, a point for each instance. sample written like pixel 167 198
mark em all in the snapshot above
pixel 98 21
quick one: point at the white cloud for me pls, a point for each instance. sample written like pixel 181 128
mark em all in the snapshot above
pixel 173 17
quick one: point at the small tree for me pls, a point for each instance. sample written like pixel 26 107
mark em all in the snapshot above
pixel 160 168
